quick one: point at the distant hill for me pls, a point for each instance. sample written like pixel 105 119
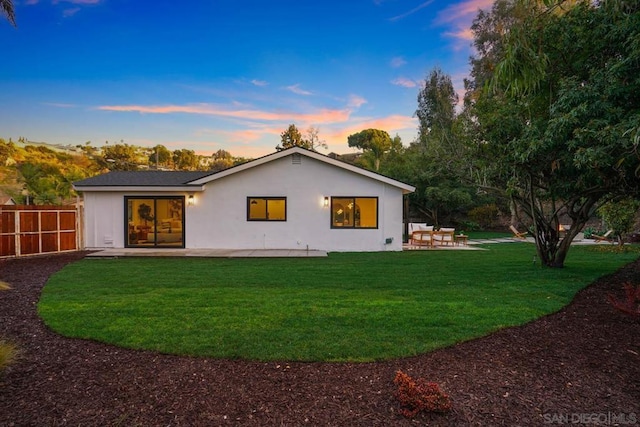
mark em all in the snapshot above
pixel 70 149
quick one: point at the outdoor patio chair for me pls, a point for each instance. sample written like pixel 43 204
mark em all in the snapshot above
pixel 603 238
pixel 518 234
pixel 415 226
pixel 444 236
pixel 421 234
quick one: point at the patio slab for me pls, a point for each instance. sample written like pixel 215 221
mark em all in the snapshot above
pixel 208 253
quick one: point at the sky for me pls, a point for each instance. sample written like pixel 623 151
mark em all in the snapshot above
pixel 207 75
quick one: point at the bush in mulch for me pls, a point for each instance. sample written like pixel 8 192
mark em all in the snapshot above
pixel 420 395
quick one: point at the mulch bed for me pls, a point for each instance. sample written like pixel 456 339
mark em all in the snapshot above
pixel 584 359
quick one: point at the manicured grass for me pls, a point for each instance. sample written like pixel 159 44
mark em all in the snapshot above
pixel 347 307
pixel 486 234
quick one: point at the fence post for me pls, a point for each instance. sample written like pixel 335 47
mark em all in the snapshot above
pixel 16 220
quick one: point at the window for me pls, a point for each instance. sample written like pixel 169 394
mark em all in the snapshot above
pixel 354 212
pixel 266 208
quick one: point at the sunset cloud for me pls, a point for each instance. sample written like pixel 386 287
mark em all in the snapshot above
pixel 465 11
pixel 462 34
pixel 323 115
pixel 356 101
pixel 297 90
pixel 397 62
pixel 392 124
pixel 404 82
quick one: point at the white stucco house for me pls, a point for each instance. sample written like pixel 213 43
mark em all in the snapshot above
pixel 291 199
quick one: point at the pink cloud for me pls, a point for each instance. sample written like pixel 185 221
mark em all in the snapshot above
pixel 356 101
pixel 462 34
pixel 404 82
pixel 320 116
pixel 252 135
pixel 391 124
pixel 398 62
pixel 459 17
pixel 466 11
pixel 297 90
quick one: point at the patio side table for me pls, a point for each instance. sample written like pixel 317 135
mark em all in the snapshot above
pixel 461 239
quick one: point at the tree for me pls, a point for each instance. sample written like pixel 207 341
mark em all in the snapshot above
pixel 314 140
pixel 374 143
pixel 184 159
pixel 6 151
pixel 221 160
pixel 159 155
pixel 619 216
pixel 292 138
pixel 122 157
pixel 439 157
pixel 436 109
pixel 560 118
pixel 6 6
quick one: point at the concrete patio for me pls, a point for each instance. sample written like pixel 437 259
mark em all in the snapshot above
pixel 208 253
pixel 472 244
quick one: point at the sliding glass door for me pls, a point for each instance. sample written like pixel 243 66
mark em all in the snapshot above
pixel 154 221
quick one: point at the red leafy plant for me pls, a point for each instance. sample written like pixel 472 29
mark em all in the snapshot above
pixel 630 305
pixel 419 395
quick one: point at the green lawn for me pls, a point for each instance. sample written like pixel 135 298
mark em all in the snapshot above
pixel 347 307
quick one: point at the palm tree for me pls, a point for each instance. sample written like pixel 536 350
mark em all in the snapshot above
pixel 6 6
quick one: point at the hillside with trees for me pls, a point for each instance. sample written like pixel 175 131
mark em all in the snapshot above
pixel 40 173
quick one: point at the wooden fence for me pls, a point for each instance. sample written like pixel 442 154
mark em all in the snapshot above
pixel 32 230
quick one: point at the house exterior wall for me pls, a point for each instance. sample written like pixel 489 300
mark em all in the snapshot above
pixel 218 219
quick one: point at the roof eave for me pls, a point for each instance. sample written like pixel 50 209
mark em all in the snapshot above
pixel 144 188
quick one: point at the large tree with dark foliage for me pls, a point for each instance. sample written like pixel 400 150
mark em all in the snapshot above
pixel 556 94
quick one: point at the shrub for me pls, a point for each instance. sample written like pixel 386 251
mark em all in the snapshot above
pixel 469 225
pixel 589 232
pixel 485 215
pixel 419 395
pixel 631 304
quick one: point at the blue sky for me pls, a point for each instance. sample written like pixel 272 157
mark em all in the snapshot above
pixel 224 74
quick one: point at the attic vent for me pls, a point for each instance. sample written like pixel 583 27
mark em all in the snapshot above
pixel 296 159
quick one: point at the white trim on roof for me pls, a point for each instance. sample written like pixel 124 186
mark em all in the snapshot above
pixel 406 188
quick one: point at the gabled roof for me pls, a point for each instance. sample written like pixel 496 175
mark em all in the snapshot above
pixel 6 200
pixel 195 181
pixel 308 153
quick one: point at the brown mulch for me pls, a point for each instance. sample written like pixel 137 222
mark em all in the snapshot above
pixel 584 359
